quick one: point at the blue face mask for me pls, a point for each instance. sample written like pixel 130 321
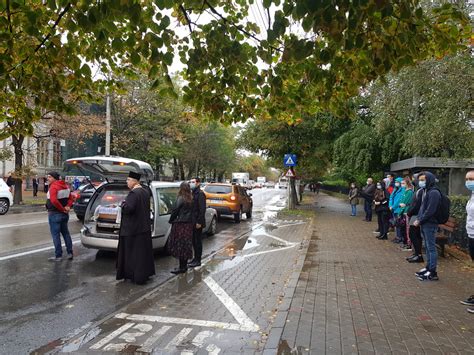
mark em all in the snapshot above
pixel 470 185
pixel 422 184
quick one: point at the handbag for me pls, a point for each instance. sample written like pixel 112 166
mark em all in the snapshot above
pixel 401 221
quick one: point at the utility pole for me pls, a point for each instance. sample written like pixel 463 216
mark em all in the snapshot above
pixel 107 125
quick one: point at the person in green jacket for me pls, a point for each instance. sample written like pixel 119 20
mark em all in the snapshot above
pixel 404 206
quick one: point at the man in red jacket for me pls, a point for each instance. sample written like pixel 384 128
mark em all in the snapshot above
pixel 59 204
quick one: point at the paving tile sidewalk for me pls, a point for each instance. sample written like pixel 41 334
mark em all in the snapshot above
pixel 356 294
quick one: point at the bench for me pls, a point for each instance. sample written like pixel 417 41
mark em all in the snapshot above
pixel 445 230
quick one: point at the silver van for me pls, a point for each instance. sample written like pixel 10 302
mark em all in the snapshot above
pixel 102 217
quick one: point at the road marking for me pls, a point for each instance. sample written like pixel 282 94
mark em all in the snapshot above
pixel 17 255
pixel 178 338
pixel 230 304
pixel 198 342
pixel 213 349
pixel 111 336
pixel 22 224
pixel 268 251
pixel 147 346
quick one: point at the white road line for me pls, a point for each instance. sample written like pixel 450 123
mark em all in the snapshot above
pixel 230 304
pixel 111 336
pixel 213 349
pixel 184 321
pixel 199 339
pixel 178 338
pixel 276 238
pixel 22 224
pixel 17 255
pixel 268 251
pixel 147 346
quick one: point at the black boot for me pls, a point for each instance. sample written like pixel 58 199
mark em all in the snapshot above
pixel 416 259
pixel 383 237
pixel 183 267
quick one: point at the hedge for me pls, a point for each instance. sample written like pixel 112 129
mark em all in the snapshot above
pixel 458 211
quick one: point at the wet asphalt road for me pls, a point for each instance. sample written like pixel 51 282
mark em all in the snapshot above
pixel 43 301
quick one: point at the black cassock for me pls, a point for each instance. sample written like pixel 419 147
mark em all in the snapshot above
pixel 135 250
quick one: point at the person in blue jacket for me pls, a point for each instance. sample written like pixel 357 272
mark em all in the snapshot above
pixel 430 201
pixel 394 205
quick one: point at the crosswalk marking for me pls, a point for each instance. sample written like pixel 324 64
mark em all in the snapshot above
pixel 213 349
pixel 178 338
pixel 112 335
pixel 148 344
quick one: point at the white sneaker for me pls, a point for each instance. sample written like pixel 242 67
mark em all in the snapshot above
pixel 53 258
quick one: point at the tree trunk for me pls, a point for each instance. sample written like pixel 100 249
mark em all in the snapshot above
pixel 181 170
pixel 292 197
pixel 18 148
pixel 175 169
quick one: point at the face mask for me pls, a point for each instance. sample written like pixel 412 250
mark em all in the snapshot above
pixel 192 186
pixel 470 185
pixel 422 184
pixel 397 184
pixel 404 185
pixel 379 187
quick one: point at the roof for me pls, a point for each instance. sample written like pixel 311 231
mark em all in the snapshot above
pixel 420 162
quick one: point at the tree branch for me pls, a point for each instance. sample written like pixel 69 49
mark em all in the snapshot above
pixel 188 20
pixel 9 16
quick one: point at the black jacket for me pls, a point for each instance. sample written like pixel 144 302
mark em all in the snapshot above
pixel 182 213
pixel 368 192
pixel 199 208
pixel 136 213
pixel 431 198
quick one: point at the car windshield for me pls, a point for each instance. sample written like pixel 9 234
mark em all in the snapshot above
pixel 218 189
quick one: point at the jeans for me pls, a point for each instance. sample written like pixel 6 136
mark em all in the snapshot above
pixel 58 225
pixel 368 210
pixel 428 230
pixel 354 210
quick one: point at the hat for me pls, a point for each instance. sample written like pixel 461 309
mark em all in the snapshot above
pixel 134 175
pixel 399 179
pixel 55 175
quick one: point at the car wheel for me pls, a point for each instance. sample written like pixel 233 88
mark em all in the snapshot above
pixel 4 206
pixel 249 213
pixel 238 216
pixel 212 227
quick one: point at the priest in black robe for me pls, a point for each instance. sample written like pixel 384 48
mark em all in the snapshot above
pixel 135 260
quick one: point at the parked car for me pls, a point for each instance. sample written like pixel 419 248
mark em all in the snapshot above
pixel 6 197
pixel 229 199
pixel 102 216
pixel 82 197
pixel 269 185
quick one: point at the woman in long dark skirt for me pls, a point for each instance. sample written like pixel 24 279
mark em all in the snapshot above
pixel 180 241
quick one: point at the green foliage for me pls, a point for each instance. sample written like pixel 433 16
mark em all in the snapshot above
pixel 458 208
pixel 255 165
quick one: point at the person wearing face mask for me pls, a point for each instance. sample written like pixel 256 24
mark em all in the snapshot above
pixel 394 205
pixel 368 194
pixel 199 220
pixel 430 202
pixel 354 199
pixel 470 229
pixel 404 207
pixel 415 231
pixel 381 209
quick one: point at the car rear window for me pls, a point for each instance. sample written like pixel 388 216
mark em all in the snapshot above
pixel 218 189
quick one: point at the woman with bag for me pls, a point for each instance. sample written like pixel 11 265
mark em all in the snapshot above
pixel 404 207
pixel 180 240
pixel 354 199
pixel 382 210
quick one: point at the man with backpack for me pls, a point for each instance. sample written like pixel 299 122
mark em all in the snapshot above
pixel 432 212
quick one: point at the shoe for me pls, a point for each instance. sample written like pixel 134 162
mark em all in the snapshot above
pixel 421 272
pixel 53 258
pixel 376 232
pixel 411 257
pixel 469 301
pixel 382 237
pixel 178 271
pixel 416 259
pixel 194 263
pixel 429 276
pixel 470 310
pixel 70 256
pixel 406 247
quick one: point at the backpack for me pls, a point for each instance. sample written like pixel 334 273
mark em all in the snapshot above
pixel 442 214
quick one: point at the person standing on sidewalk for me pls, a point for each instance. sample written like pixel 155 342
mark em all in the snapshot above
pixel 470 229
pixel 354 199
pixel 381 208
pixel 180 240
pixel 415 231
pixel 404 207
pixel 430 203
pixel 58 203
pixel 368 194
pixel 199 220
pixel 35 183
pixel 394 205
pixel 135 259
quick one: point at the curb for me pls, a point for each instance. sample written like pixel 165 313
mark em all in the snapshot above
pixel 273 341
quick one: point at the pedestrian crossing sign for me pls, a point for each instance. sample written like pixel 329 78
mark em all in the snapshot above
pixel 290 173
pixel 289 160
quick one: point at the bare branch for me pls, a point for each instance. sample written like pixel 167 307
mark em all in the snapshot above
pixel 188 20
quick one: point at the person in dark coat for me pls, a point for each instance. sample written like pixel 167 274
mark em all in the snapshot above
pixel 368 194
pixel 35 182
pixel 381 209
pixel 199 219
pixel 135 250
pixel 180 240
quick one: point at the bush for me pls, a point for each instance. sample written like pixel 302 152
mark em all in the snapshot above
pixel 458 211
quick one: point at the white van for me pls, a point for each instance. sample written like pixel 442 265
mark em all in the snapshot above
pixel 102 217
pixel 6 198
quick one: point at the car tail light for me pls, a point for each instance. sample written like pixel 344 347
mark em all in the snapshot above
pixel 233 197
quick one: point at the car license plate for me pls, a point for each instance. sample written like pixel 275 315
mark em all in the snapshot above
pixel 216 201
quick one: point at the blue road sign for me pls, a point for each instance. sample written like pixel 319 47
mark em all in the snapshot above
pixel 289 160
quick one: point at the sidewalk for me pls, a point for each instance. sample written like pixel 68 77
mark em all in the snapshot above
pixel 357 294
